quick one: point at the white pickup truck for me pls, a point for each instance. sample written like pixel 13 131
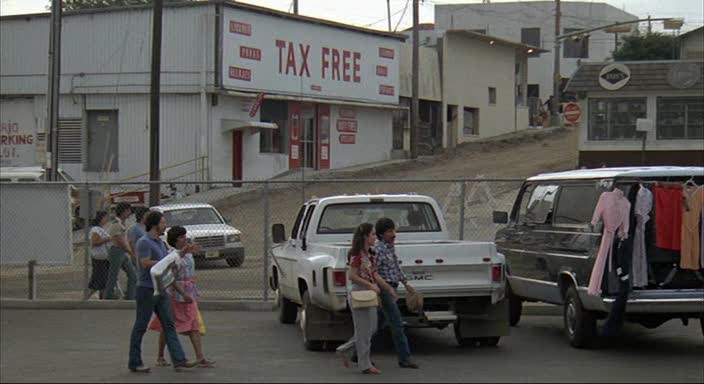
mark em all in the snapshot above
pixel 463 282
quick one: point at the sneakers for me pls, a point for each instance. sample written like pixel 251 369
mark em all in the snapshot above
pixel 185 365
pixel 408 364
pixel 140 369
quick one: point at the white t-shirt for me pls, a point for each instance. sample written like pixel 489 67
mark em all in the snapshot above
pixel 100 252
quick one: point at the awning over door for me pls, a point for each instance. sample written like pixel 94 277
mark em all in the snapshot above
pixel 233 125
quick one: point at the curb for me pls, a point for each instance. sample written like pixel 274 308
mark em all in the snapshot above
pixel 529 309
pixel 208 305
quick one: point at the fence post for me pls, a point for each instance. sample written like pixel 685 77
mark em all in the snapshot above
pixel 86 210
pixel 463 194
pixel 32 289
pixel 265 290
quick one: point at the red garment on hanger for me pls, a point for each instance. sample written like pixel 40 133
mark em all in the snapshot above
pixel 668 217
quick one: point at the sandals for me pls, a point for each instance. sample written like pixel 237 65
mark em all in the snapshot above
pixel 161 362
pixel 371 371
pixel 345 359
pixel 205 363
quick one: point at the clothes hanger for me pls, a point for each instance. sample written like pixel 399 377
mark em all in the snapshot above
pixel 691 182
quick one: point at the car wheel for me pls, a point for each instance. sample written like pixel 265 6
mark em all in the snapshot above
pixel 311 345
pixel 489 341
pixel 461 340
pixel 288 310
pixel 235 262
pixel 580 324
pixel 515 308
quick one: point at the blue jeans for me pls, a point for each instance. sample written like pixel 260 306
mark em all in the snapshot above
pixel 119 259
pixel 393 317
pixel 147 304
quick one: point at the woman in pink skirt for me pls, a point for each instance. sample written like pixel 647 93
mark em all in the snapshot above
pixel 187 317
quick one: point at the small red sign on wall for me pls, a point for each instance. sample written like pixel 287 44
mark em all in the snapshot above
pixel 386 53
pixel 240 73
pixel 251 53
pixel 347 126
pixel 347 139
pixel 241 28
pixel 316 88
pixel 347 113
pixel 382 71
pixel 387 90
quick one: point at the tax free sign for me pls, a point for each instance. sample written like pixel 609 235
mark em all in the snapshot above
pixel 274 54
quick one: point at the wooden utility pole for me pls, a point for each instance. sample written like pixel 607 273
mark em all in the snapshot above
pixel 53 94
pixel 556 77
pixel 295 7
pixel 415 113
pixel 388 13
pixel 154 104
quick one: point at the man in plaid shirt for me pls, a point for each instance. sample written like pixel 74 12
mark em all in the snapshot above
pixel 390 270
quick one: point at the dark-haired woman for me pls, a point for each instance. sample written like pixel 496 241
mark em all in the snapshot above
pixel 362 274
pixel 99 245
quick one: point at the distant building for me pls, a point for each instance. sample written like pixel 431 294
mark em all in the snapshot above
pixel 692 45
pixel 533 23
pixel 669 95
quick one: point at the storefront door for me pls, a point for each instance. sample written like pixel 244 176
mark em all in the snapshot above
pixel 294 150
pixel 236 157
pixel 308 137
pixel 323 124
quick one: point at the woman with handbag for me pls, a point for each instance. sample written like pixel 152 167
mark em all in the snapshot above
pixel 100 242
pixel 363 298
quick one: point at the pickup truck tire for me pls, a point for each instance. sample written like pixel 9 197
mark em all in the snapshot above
pixel 461 340
pixel 701 323
pixel 288 310
pixel 489 341
pixel 515 308
pixel 235 262
pixel 580 324
pixel 311 345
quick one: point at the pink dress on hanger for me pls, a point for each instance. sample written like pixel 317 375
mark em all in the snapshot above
pixel 613 209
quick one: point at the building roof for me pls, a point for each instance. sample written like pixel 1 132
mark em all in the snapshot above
pixel 645 76
pixel 229 3
pixel 495 40
pixel 692 32
pixel 624 172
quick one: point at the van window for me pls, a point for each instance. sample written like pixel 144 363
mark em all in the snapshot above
pixel 540 204
pixel 575 204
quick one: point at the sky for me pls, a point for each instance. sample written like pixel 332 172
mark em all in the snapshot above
pixel 372 13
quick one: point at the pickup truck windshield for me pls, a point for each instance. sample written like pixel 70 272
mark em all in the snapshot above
pixel 409 217
pixel 191 216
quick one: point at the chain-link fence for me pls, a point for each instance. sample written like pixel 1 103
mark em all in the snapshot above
pixel 231 268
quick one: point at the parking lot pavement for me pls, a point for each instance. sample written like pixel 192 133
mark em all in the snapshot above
pixel 92 345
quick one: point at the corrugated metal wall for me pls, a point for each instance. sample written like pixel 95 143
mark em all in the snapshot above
pixel 107 52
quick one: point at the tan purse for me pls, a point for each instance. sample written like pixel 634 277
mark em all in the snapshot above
pixel 364 299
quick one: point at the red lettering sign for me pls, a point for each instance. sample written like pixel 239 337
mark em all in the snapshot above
pixel 382 70
pixel 240 28
pixel 257 104
pixel 316 88
pixel 356 58
pixel 387 90
pixel 251 53
pixel 347 139
pixel 346 65
pixel 238 73
pixel 347 113
pixel 386 53
pixel 347 126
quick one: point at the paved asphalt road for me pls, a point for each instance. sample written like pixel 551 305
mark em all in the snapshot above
pixel 91 346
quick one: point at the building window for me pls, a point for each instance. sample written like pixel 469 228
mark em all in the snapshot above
pixel 615 118
pixel 70 139
pixel 272 140
pixel 471 122
pixel 531 36
pixel 577 48
pixel 492 95
pixel 680 118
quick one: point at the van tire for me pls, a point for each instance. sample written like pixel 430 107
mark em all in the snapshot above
pixel 515 308
pixel 288 310
pixel 580 324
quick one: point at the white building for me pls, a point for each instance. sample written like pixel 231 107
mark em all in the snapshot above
pixel 329 92
pixel 533 23
pixel 471 86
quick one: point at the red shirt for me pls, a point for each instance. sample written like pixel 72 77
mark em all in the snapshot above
pixel 365 266
pixel 668 218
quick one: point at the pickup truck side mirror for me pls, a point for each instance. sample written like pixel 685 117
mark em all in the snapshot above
pixel 278 233
pixel 228 220
pixel 500 217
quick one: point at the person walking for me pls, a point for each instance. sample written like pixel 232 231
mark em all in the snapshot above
pixel 187 319
pixel 364 277
pixel 151 249
pixel 390 271
pixel 136 231
pixel 118 254
pixel 99 244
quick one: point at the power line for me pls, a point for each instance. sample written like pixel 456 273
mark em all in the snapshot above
pixel 402 15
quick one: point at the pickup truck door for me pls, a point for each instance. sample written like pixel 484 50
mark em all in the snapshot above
pixel 296 250
pixel 286 258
